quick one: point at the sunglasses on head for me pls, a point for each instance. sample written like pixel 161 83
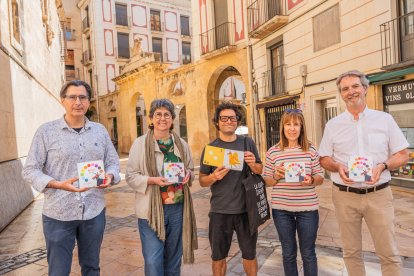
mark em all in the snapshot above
pixel 293 110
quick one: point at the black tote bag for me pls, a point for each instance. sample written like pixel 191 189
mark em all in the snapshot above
pixel 258 210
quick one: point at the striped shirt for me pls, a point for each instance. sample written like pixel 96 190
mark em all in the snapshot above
pixel 293 197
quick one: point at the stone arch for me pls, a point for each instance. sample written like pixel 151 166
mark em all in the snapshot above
pixel 92 114
pixel 138 120
pixel 213 89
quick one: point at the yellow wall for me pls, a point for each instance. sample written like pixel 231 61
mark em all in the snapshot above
pixel 200 81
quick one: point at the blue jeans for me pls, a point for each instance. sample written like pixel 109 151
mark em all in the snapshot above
pixel 306 224
pixel 60 239
pixel 163 258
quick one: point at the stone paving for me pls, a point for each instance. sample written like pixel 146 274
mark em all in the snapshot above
pixel 22 246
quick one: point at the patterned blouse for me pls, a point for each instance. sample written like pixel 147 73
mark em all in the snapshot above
pixel 171 194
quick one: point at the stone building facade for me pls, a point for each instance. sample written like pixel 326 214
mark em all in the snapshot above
pixel 110 29
pixel 220 71
pixel 300 47
pixel 31 75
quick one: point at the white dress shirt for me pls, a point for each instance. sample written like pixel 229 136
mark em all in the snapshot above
pixel 375 134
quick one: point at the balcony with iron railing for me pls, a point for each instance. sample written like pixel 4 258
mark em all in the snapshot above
pixel 221 37
pixel 397 42
pixel 87 57
pixel 266 16
pixel 274 82
pixel 85 24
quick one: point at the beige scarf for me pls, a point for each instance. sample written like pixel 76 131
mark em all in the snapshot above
pixel 156 211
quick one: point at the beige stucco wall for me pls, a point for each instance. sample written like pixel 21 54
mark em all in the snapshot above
pixel 31 75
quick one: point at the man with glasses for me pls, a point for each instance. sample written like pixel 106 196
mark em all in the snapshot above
pixel 228 205
pixel 70 212
pixel 374 135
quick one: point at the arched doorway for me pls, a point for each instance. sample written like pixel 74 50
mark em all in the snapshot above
pixel 140 117
pixel 226 84
pixel 91 114
pixel 113 123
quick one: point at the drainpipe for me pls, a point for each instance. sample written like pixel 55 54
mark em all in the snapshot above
pixel 253 101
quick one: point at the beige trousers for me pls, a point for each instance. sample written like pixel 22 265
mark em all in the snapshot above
pixel 378 212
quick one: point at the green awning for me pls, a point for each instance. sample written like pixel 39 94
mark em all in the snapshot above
pixel 389 75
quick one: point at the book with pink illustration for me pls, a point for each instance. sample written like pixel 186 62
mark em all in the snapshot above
pixel 295 171
pixel 91 174
pixel 360 168
pixel 174 172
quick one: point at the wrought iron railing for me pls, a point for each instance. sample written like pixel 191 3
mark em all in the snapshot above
pixel 274 82
pixel 397 40
pixel 218 37
pixel 261 11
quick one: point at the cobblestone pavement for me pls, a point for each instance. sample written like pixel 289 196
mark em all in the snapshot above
pixel 22 246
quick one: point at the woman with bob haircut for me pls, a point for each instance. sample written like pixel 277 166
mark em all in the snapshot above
pixel 295 204
pixel 166 219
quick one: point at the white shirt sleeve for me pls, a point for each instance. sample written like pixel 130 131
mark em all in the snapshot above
pixel 326 146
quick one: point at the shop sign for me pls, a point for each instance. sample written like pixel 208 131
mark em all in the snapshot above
pixel 397 93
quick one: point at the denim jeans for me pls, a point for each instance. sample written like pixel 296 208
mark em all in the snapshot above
pixel 306 224
pixel 163 258
pixel 60 239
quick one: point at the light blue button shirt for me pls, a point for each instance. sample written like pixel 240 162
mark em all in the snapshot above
pixel 55 151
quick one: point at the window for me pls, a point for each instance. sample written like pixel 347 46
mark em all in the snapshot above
pixel 121 15
pixel 157 46
pixel 85 20
pixel 276 73
pixel 326 29
pixel 16 21
pixel 186 53
pixel 70 65
pixel 123 45
pixel 185 25
pixel 155 18
pixel 68 29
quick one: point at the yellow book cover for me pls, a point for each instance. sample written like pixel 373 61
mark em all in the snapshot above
pixel 213 156
pixel 216 157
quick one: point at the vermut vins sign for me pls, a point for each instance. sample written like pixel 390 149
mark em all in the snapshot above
pixel 397 93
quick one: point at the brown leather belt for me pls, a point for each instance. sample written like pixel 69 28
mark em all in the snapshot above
pixel 361 191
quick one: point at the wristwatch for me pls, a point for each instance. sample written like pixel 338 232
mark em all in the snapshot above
pixel 385 165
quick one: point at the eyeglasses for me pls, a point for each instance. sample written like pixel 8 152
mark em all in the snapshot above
pixel 226 118
pixel 293 110
pixel 166 115
pixel 72 98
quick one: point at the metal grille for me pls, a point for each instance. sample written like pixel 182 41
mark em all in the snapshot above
pixel 273 115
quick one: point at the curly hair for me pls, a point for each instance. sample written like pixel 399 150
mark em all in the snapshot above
pixel 227 105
